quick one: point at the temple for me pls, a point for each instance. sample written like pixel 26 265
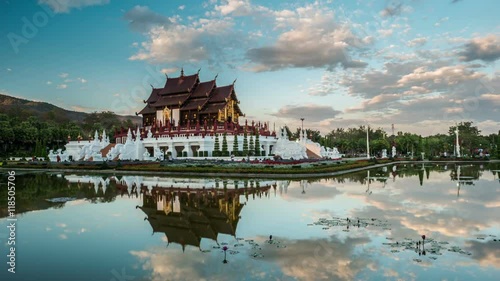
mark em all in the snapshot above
pixel 186 102
pixel 190 118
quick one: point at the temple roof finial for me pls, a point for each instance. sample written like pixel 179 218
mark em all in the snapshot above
pixel 151 86
pixel 235 80
pixel 182 71
pixel 166 75
pixel 217 75
pixel 199 70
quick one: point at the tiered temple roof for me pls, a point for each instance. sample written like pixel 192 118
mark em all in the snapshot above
pixel 188 93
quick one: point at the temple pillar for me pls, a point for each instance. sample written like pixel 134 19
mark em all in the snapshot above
pixel 267 148
pixel 172 151
pixel 187 148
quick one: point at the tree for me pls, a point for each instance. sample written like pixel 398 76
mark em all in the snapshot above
pixel 257 143
pixel 216 151
pixel 235 145
pixel 245 144
pixel 225 152
pixel 251 148
pixel 468 136
pixel 313 135
pixel 288 132
pixel 498 145
pixel 379 144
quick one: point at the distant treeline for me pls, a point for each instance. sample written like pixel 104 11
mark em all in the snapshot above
pixel 27 136
pixel 352 141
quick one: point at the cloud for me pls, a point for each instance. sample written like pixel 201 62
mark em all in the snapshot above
pixel 239 8
pixel 486 253
pixel 63 75
pixel 313 192
pixel 142 19
pixel 315 259
pixel 321 259
pixel 169 70
pixel 392 10
pixel 325 87
pixel 49 82
pixel 82 108
pixel 446 76
pixel 420 41
pixel 182 7
pixel 9 70
pixel 201 40
pixel 312 39
pixel 424 94
pixel 385 32
pixel 62 86
pixel 81 80
pixel 64 6
pixel 484 48
pixel 309 112
pixel 439 22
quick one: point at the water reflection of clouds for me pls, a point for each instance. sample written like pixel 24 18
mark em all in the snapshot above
pixel 317 259
pixel 412 210
pixel 317 191
pixel 67 230
pixel 322 259
pixel 486 253
pixel 435 211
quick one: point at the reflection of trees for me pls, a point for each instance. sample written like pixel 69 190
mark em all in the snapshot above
pixel 411 170
pixel 469 171
pixel 32 190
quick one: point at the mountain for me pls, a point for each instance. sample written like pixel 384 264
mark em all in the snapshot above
pixel 22 108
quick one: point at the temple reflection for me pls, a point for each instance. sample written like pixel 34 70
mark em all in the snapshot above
pixel 187 215
pixel 106 188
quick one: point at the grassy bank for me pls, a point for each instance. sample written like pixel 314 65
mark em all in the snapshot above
pixel 207 167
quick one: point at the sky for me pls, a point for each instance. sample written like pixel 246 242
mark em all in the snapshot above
pixel 421 65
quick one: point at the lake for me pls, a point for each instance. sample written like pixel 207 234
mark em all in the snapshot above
pixel 368 225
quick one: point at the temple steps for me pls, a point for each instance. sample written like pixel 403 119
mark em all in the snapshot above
pixel 312 155
pixel 105 150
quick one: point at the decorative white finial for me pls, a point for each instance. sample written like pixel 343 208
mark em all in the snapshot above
pixel 367 142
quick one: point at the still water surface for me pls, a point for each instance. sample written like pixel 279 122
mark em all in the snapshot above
pixel 361 226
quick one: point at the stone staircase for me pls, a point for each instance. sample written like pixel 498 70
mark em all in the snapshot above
pixel 105 150
pixel 312 155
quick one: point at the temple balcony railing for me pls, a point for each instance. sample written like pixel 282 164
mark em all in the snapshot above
pixel 230 129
